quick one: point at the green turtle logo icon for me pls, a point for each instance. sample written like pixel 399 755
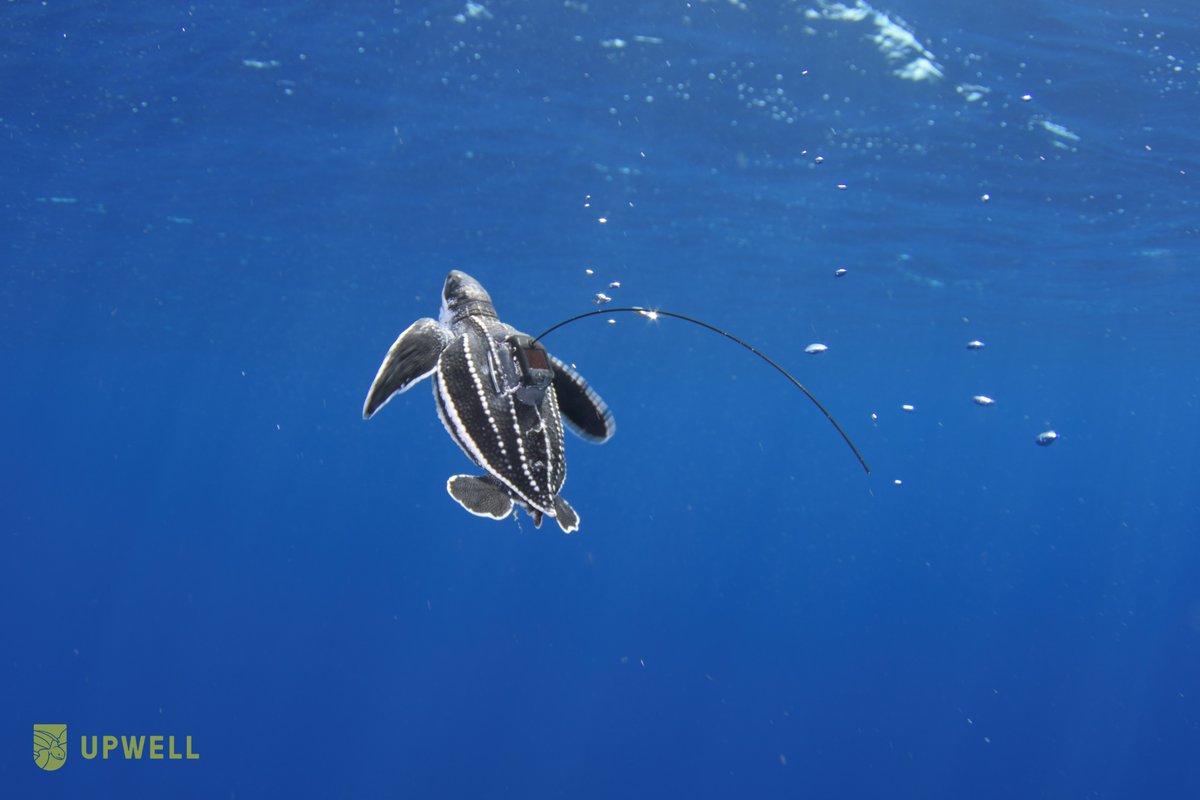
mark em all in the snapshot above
pixel 50 746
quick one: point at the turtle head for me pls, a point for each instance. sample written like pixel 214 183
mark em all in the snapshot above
pixel 463 297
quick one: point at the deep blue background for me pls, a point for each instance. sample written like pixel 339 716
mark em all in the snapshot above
pixel 217 217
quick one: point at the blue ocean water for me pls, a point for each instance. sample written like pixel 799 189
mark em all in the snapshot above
pixel 218 216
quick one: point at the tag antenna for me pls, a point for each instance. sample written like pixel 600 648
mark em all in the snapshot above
pixel 655 313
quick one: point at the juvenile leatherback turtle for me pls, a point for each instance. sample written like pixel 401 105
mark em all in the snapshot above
pixel 502 397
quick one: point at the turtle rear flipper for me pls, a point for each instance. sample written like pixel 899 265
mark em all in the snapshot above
pixel 413 357
pixel 586 414
pixel 565 516
pixel 483 496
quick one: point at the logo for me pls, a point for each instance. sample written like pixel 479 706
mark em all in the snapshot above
pixel 50 746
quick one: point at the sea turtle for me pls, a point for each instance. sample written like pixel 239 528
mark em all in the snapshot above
pixel 502 397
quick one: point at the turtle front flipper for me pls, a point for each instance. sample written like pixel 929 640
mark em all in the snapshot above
pixel 483 496
pixel 413 357
pixel 586 414
pixel 565 516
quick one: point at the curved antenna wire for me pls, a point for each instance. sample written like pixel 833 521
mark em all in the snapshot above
pixel 654 313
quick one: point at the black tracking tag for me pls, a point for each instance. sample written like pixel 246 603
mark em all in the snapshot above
pixel 532 360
